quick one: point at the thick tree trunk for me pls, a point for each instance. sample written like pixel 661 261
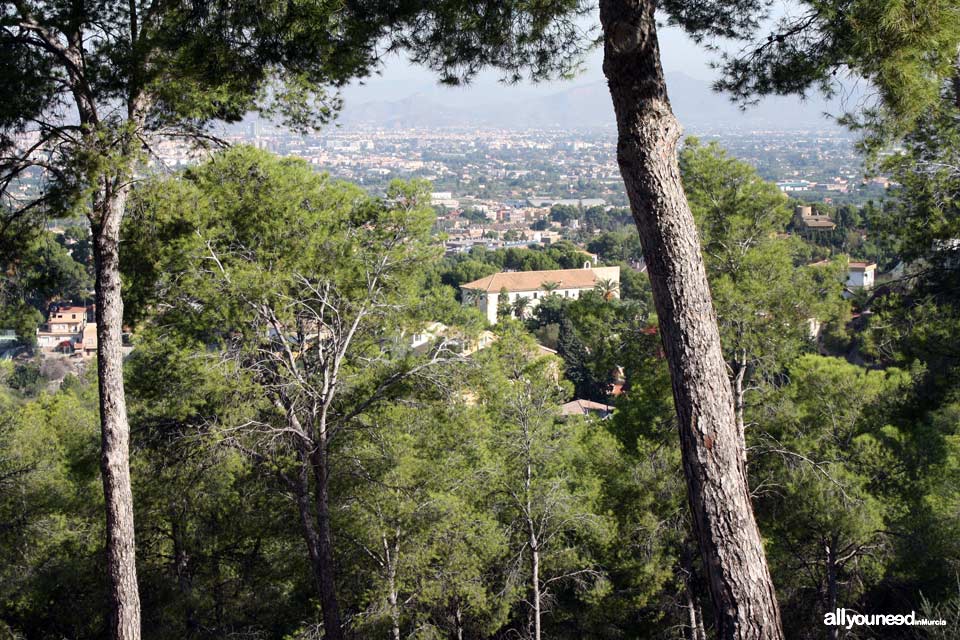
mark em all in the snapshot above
pixel 648 133
pixel 332 622
pixel 114 430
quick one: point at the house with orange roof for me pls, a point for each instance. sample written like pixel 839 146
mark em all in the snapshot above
pixel 534 286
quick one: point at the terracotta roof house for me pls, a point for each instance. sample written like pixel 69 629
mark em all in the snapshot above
pixel 533 286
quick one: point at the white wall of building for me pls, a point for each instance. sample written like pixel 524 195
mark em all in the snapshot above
pixel 489 302
pixel 858 278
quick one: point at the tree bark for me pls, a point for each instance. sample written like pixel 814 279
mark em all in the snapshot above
pixel 738 407
pixel 301 489
pixel 181 569
pixel 534 553
pixel 701 632
pixel 114 429
pixel 458 622
pixel 326 575
pixel 535 584
pixel 833 632
pixel 393 599
pixel 316 528
pixel 694 615
pixel 648 134
pixel 692 631
pixel 956 79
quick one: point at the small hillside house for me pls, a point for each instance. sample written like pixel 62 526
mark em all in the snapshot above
pixel 809 219
pixel 861 275
pixel 69 330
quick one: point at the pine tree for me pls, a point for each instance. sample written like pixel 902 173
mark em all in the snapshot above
pixel 574 354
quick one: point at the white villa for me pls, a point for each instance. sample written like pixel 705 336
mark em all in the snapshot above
pixel 567 283
pixel 860 274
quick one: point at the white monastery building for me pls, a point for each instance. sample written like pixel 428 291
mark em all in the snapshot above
pixel 566 283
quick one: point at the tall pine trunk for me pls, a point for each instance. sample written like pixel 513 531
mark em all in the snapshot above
pixel 326 577
pixel 301 489
pixel 533 542
pixel 316 527
pixel 648 134
pixel 114 429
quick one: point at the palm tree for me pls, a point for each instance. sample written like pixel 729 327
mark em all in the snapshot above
pixel 520 306
pixel 503 303
pixel 470 297
pixel 608 288
pixel 550 287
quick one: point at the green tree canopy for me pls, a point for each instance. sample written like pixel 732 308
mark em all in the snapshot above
pixel 830 457
pixel 768 306
pixel 905 50
pixel 301 288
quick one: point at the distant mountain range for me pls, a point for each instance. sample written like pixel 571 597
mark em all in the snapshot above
pixel 697 106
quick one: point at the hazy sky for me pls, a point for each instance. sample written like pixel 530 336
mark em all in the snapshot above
pixel 401 79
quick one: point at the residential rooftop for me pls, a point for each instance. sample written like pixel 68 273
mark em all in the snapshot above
pixel 580 407
pixel 534 280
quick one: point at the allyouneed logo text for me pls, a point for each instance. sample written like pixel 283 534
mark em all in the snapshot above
pixel 841 618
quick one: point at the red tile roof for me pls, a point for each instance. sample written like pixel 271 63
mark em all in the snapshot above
pixel 62 310
pixel 534 280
